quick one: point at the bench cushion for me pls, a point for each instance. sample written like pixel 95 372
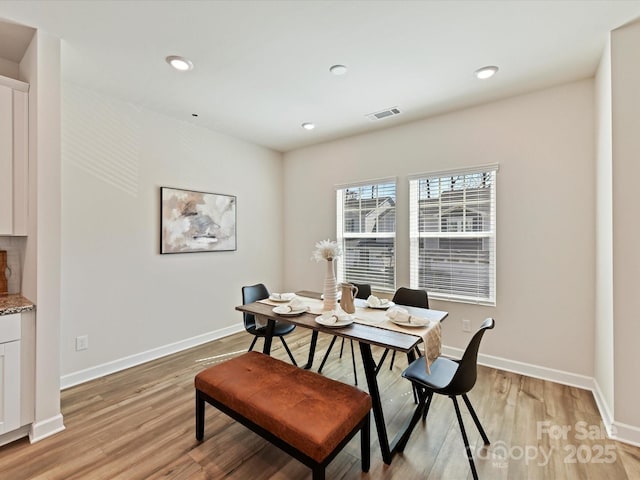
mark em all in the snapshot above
pixel 310 412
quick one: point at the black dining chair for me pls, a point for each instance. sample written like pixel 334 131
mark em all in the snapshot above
pixel 253 293
pixel 411 298
pixel 452 378
pixel 364 290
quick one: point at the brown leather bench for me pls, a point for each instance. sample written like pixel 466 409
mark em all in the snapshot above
pixel 309 416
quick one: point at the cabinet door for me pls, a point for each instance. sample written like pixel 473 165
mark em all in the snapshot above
pixel 6 160
pixel 9 386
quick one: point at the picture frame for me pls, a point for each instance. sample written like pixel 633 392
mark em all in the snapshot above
pixel 194 221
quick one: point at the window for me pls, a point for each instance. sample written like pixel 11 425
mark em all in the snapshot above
pixel 453 234
pixel 366 231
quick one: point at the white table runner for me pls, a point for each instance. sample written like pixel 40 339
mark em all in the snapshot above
pixel 431 334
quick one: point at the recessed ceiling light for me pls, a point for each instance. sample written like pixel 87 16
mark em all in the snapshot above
pixel 180 63
pixel 308 126
pixel 486 72
pixel 338 69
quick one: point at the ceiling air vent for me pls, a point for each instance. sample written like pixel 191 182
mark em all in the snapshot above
pixel 389 112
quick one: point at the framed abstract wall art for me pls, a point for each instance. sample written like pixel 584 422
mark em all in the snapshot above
pixel 196 221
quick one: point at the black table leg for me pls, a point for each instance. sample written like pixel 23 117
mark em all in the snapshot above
pixel 399 442
pixel 312 349
pixel 378 414
pixel 413 421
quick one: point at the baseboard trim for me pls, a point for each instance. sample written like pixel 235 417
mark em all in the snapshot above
pixel 626 433
pixel 603 408
pixel 616 430
pixel 46 428
pixel 535 371
pixel 82 376
pixel 14 435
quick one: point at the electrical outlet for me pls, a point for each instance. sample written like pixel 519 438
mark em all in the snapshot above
pixel 82 342
pixel 466 325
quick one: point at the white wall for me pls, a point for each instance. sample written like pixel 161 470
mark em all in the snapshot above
pixel 603 353
pixel 625 75
pixel 544 145
pixel 116 287
pixel 40 67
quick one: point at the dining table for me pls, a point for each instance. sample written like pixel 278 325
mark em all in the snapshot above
pixel 369 329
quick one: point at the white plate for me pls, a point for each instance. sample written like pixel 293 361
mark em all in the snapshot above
pixel 284 310
pixel 281 300
pixel 408 324
pixel 389 304
pixel 337 324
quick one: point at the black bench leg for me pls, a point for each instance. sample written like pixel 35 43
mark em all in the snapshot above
pixel 199 416
pixel 318 472
pixel 365 443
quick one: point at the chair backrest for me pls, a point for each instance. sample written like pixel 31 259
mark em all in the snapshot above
pixel 364 290
pixel 250 294
pixel 411 297
pixel 467 373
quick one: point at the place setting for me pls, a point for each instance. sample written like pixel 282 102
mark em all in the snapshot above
pixel 335 319
pixel 379 303
pixel 292 308
pixel 282 297
pixel 401 316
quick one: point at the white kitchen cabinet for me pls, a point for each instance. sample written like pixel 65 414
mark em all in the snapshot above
pixel 10 382
pixel 14 164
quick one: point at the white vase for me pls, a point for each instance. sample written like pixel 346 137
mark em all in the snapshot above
pixel 330 288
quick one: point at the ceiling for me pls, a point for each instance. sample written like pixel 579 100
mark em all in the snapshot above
pixel 262 67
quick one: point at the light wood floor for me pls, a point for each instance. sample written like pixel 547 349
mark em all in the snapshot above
pixel 139 424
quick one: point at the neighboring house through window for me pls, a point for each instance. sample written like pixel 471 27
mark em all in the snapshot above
pixel 366 231
pixel 453 234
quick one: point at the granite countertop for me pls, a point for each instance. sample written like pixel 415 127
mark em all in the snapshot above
pixel 14 303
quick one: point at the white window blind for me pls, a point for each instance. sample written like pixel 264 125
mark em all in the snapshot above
pixel 366 231
pixel 453 234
